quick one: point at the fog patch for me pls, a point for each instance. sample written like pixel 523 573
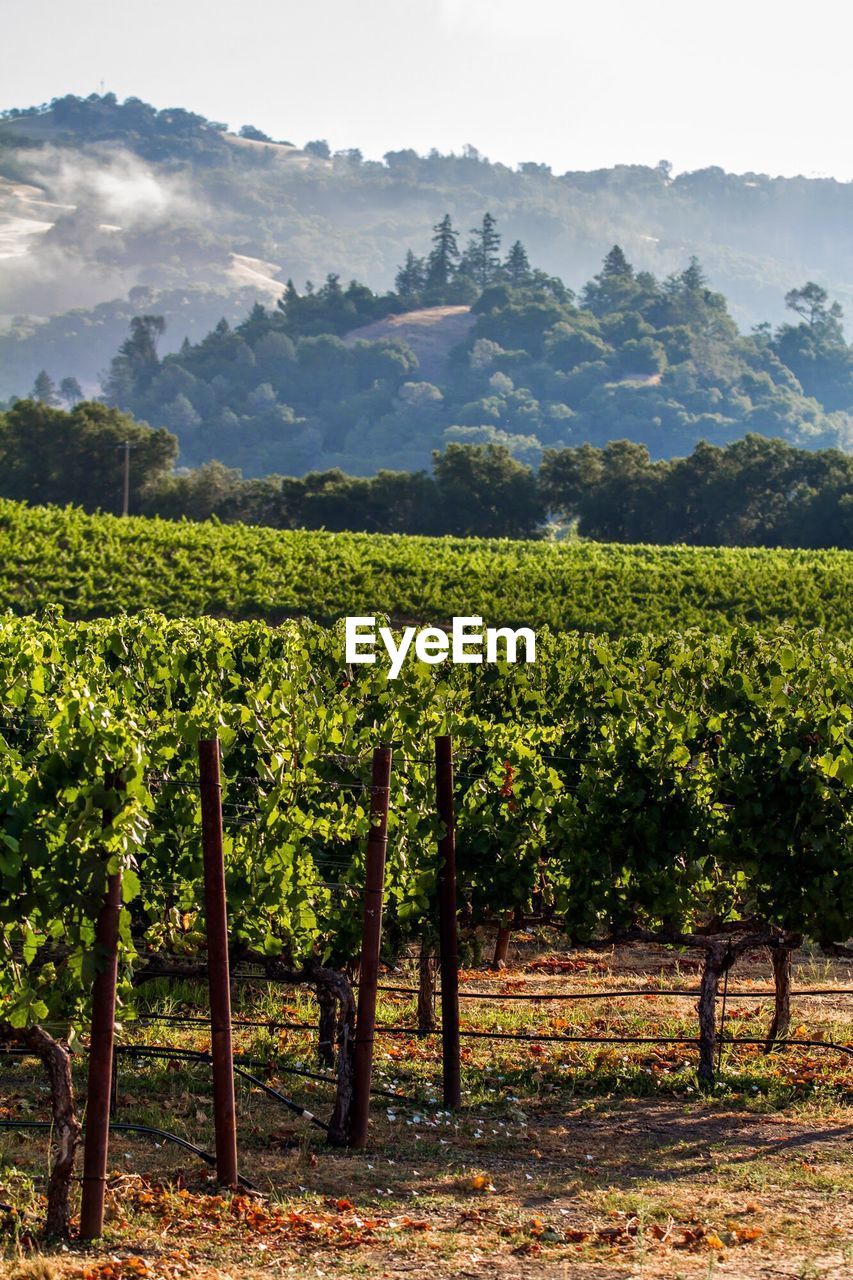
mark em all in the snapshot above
pixel 96 199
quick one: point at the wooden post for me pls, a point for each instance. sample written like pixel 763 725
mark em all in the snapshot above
pixel 779 1027
pixel 448 937
pixel 101 1052
pixel 502 944
pixel 426 985
pixel 371 937
pixel 218 974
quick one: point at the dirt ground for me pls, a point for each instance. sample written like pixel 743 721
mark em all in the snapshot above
pixel 599 1162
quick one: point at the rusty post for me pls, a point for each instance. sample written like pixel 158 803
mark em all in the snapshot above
pixel 101 1051
pixel 218 973
pixel 447 926
pixel 371 937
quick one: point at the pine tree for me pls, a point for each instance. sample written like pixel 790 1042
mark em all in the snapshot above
pixel 616 264
pixel 132 370
pixel 444 256
pixel 44 389
pixel 614 288
pixel 288 298
pixel 693 277
pixel 517 265
pixel 70 391
pixel 481 257
pixel 411 277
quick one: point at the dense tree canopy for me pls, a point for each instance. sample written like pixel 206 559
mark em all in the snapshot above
pixel 754 492
pixel 50 456
pixel 315 383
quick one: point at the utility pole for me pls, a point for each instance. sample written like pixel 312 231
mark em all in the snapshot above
pixel 125 501
pixel 125 489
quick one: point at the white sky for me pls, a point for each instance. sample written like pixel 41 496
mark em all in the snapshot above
pixel 760 85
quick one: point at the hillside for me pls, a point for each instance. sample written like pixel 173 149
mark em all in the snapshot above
pixel 430 333
pixel 477 348
pixel 98 197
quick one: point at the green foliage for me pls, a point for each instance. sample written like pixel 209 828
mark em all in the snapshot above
pixel 755 492
pixel 94 565
pixel 47 455
pixel 329 309
pixel 666 783
pixel 658 362
pixel 485 492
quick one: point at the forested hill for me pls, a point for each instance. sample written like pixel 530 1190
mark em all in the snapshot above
pixel 99 197
pixel 476 346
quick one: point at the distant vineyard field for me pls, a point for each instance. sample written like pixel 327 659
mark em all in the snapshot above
pixel 100 565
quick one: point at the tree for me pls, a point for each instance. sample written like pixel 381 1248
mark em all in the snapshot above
pixel 816 350
pixel 254 135
pixel 517 265
pixel 319 148
pixel 693 277
pixel 44 389
pixel 48 455
pixel 614 288
pixel 444 256
pixel 70 392
pixel 485 492
pixel 202 493
pixel 411 277
pixel 616 264
pixel 809 302
pixel 132 370
pixel 481 257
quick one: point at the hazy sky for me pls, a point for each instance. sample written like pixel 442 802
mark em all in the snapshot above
pixel 746 84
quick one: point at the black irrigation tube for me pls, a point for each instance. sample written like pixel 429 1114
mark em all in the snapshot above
pixel 196 1055
pixel 609 995
pixel 188 1055
pixel 280 1097
pixel 240 1064
pixel 486 995
pixel 523 1035
pixel 120 1126
pixel 791 1044
pixel 172 975
pixel 530 1037
pixel 527 1036
pixel 190 1021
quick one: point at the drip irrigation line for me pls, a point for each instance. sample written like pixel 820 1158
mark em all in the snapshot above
pixel 161 1051
pixel 239 1067
pixel 188 1055
pixel 280 1097
pixel 194 1055
pixel 793 1044
pixel 528 1036
pixel 119 1126
pixel 188 1021
pixel 327 1079
pixel 608 995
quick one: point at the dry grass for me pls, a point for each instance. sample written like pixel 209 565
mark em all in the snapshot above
pixel 576 1161
pixel 431 333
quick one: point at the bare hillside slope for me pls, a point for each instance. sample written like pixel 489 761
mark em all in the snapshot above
pixel 431 333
